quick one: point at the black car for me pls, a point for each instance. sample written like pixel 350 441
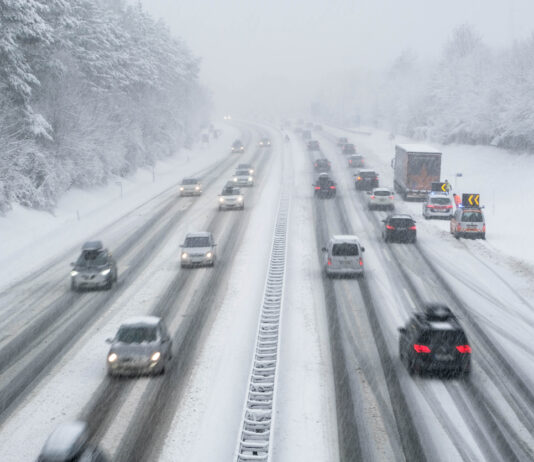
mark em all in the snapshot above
pixel 313 145
pixel 94 268
pixel 322 165
pixel 399 227
pixel 348 148
pixel 434 341
pixel 325 187
pixel 365 180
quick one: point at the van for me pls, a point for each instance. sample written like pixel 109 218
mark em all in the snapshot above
pixel 343 256
pixel 468 222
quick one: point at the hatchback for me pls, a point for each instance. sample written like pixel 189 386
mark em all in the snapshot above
pixel 322 165
pixel 380 198
pixel 343 256
pixel 438 205
pixel 95 268
pixel 355 161
pixel 365 180
pixel 468 222
pixel 399 227
pixel 198 249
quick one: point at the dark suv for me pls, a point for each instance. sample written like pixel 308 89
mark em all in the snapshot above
pixel 348 148
pixel 434 341
pixel 322 165
pixel 399 227
pixel 325 187
pixel 94 268
pixel 365 180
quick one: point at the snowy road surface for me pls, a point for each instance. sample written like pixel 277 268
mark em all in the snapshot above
pixel 342 392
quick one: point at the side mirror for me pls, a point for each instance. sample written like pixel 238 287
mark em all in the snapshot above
pixel 323 249
pixel 109 340
pixel 402 330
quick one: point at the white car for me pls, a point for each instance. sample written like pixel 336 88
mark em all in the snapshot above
pixel 380 198
pixel 190 187
pixel 438 205
pixel 343 256
pixel 231 198
pixel 243 177
pixel 198 249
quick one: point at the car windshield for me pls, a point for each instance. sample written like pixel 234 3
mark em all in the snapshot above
pixel 472 217
pixel 243 166
pixel 197 241
pixel 189 181
pixel 237 144
pixel 382 193
pixel 230 191
pixel 92 258
pixel 242 173
pixel 137 334
pixel 440 200
pixel 345 249
pixel 450 337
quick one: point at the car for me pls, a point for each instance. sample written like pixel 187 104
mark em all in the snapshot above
pixel 342 140
pixel 69 442
pixel 399 227
pixel 468 222
pixel 313 145
pixel 306 134
pixel 438 205
pixel 246 167
pixel 231 198
pixel 243 177
pixel 238 147
pixel 324 187
pixel 265 142
pixel 348 149
pixel 343 256
pixel 95 268
pixel 198 249
pixel 380 198
pixel 434 341
pixel 190 187
pixel 365 180
pixel 322 165
pixel 142 345
pixel 355 161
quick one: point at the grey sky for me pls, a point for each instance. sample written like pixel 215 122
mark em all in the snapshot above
pixel 271 50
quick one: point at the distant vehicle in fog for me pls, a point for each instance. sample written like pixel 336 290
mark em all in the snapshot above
pixel 348 149
pixel 313 145
pixel 342 140
pixel 322 165
pixel 343 256
pixel 95 268
pixel 190 187
pixel 142 345
pixel 324 187
pixel 238 147
pixel 306 134
pixel 246 167
pixel 434 341
pixel 355 161
pixel 265 142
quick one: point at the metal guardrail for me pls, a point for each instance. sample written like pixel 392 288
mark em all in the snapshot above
pixel 255 435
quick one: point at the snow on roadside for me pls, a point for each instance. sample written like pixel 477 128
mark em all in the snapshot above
pixel 31 238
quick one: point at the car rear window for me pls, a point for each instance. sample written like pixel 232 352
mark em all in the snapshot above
pixel 401 222
pixel 198 241
pixel 472 217
pixel 382 193
pixel 451 337
pixel 440 200
pixel 345 249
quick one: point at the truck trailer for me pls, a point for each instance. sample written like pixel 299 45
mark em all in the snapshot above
pixel 415 167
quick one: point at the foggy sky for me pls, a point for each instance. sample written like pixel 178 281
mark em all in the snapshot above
pixel 277 53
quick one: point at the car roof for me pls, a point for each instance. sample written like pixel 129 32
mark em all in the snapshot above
pixel 65 441
pixel 142 320
pixel 93 245
pixel 338 238
pixel 366 170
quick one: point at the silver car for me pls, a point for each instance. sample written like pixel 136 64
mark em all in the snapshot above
pixel 142 346
pixel 343 256
pixel 231 198
pixel 380 198
pixel 95 268
pixel 198 249
pixel 438 205
pixel 190 187
pixel 243 177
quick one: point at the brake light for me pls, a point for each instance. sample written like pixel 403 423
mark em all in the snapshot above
pixel 372 197
pixel 332 187
pixel 361 261
pixel 329 261
pixel 350 161
pixel 413 228
pixel 429 206
pixel 317 187
pixel 464 348
pixel 421 348
pixel 315 164
pixel 390 227
pixel 484 228
pixel 376 178
pixel 458 227
pixel 449 206
pixel 391 197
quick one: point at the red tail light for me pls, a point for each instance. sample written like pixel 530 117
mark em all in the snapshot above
pixel 350 161
pixel 413 228
pixel 361 261
pixel 458 227
pixel 390 227
pixel 329 261
pixel 391 197
pixel 332 187
pixel 421 348
pixel 449 206
pixel 372 197
pixel 315 164
pixel 429 206
pixel 376 178
pixel 317 187
pixel 464 348
pixel 484 228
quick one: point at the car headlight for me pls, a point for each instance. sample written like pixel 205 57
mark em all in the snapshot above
pixel 251 171
pixel 112 357
pixel 74 273
pixel 155 357
pixel 209 255
pixel 105 272
pixel 249 178
pixel 221 199
pixel 240 199
pixel 235 178
pixel 181 188
pixel 185 256
pixel 197 187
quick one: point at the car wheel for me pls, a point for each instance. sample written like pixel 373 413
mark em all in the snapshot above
pixel 220 208
pixel 73 285
pixel 483 236
pixel 426 217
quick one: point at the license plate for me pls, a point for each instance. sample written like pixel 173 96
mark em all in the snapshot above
pixel 442 357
